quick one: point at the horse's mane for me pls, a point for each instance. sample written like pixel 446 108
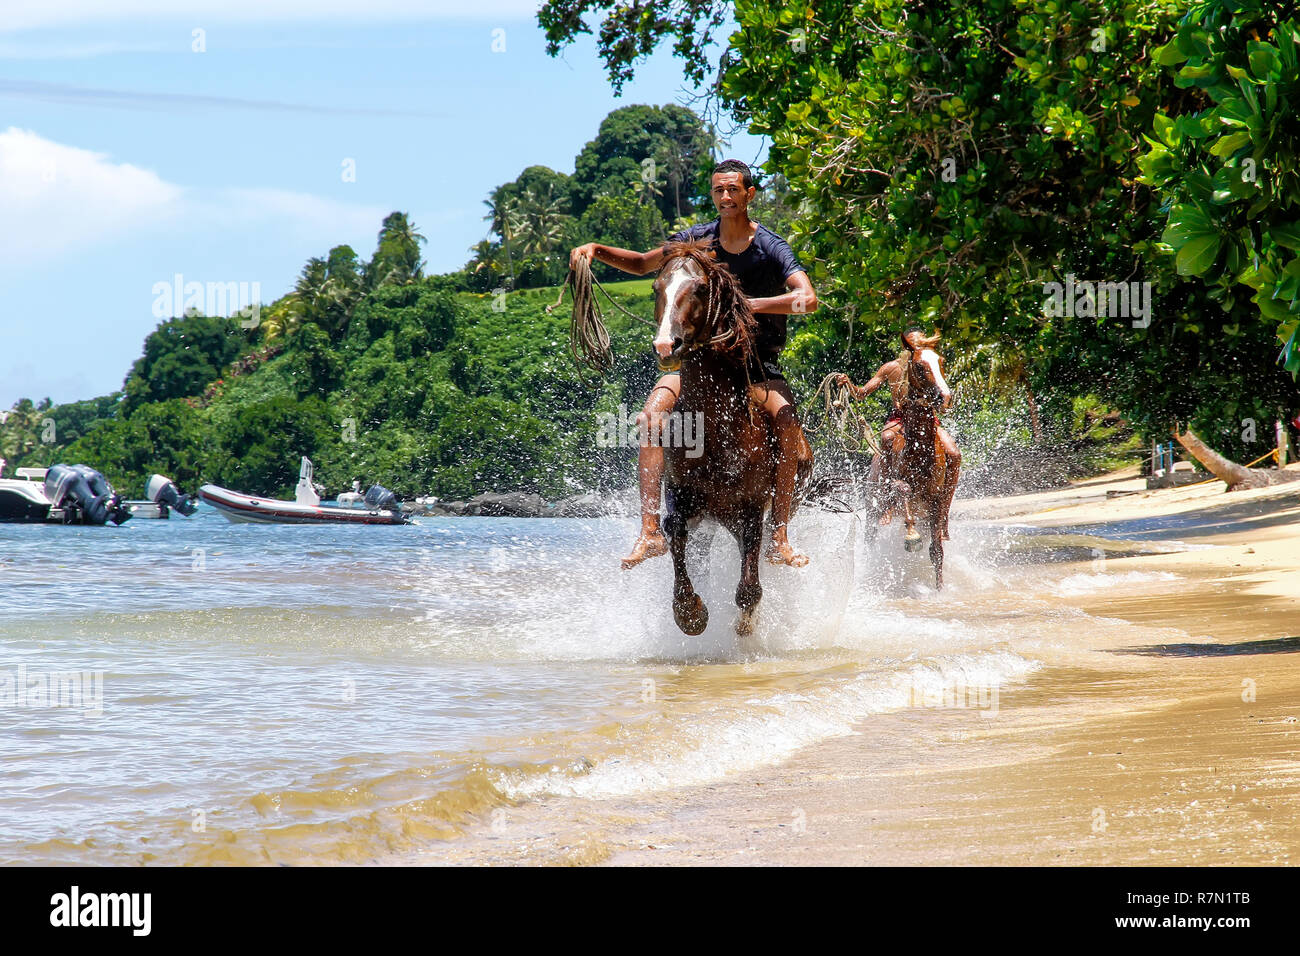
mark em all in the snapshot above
pixel 728 307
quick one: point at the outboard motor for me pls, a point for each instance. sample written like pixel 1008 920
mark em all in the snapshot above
pixel 381 499
pixel 163 491
pixel 84 494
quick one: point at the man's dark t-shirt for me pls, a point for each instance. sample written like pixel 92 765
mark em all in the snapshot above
pixel 761 270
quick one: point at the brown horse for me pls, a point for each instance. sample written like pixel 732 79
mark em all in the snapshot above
pixel 917 479
pixel 701 310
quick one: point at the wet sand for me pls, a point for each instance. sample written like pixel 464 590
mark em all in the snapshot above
pixel 1179 745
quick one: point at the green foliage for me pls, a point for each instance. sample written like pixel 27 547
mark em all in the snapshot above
pixel 397 259
pixel 258 451
pixel 622 221
pixel 631 31
pixel 164 437
pixel 313 363
pixel 946 160
pixel 647 166
pixel 1227 169
pixel 491 442
pixel 663 146
pixel 181 357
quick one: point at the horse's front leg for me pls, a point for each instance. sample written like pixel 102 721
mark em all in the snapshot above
pixel 749 592
pixel 937 531
pixel 688 609
pixel 911 537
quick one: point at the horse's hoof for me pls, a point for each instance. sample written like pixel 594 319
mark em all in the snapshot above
pixel 913 542
pixel 691 615
pixel 745 623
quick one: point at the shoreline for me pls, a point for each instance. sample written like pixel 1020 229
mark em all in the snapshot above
pixel 1176 749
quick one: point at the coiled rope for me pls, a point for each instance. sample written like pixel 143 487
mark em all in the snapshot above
pixel 843 421
pixel 588 337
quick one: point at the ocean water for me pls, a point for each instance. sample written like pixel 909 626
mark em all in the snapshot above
pixel 194 692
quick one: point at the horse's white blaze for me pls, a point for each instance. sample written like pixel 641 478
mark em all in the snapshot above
pixel 931 359
pixel 664 337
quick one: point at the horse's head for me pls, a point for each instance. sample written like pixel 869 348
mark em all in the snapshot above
pixel 698 303
pixel 925 379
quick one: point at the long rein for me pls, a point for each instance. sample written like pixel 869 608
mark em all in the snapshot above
pixel 589 343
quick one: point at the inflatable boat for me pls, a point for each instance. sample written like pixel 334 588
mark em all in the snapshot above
pixel 377 506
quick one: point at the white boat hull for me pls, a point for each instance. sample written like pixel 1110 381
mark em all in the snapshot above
pixel 250 509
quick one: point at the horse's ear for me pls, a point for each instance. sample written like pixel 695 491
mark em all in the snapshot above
pixel 906 344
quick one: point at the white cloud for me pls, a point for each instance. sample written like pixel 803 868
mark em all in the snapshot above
pixel 308 215
pixel 34 14
pixel 57 199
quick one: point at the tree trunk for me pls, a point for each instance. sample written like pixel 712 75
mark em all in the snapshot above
pixel 1235 476
pixel 1035 426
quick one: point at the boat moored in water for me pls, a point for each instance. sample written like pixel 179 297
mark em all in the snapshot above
pixel 377 506
pixel 77 494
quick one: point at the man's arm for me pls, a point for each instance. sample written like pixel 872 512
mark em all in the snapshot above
pixel 801 298
pixel 881 377
pixel 637 263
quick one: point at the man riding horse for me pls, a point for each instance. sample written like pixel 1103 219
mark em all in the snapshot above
pixel 776 287
pixel 918 347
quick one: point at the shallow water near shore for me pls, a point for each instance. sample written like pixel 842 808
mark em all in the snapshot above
pixel 282 694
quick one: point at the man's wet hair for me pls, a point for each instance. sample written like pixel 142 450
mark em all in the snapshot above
pixel 927 341
pixel 735 166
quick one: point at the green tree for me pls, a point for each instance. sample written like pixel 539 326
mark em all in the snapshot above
pixel 314 364
pixel 491 443
pixel 654 144
pixel 397 258
pixel 621 220
pixel 181 357
pixel 631 31
pixel 1226 166
pixel 258 451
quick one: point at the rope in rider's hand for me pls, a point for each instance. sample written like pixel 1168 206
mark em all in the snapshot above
pixel 844 421
pixel 588 337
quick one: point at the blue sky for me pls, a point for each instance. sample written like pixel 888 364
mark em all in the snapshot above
pixel 126 157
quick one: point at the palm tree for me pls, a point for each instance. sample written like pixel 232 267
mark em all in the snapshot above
pixel 538 220
pixel 647 191
pixel 677 169
pixel 309 291
pixel 281 319
pixel 397 259
pixel 502 217
pixel 1005 374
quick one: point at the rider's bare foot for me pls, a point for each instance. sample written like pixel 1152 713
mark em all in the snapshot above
pixel 780 552
pixel 649 544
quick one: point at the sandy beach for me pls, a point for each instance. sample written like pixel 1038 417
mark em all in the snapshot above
pixel 1171 740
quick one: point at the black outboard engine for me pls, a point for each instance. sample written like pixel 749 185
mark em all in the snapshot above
pixel 163 491
pixel 381 499
pixel 84 495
